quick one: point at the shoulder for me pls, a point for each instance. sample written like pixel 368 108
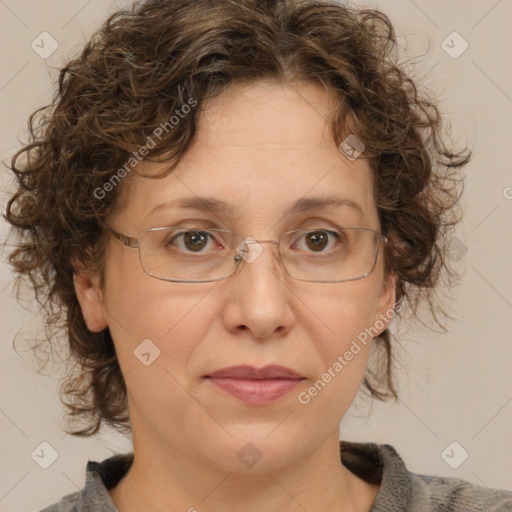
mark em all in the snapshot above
pixel 70 503
pixel 100 476
pixel 404 491
pixel 448 494
pixel 425 493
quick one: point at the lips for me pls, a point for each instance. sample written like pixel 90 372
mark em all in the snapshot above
pixel 249 372
pixel 256 386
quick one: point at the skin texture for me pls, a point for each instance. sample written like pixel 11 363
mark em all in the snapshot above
pixel 260 147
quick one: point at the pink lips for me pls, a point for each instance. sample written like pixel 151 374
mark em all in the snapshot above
pixel 256 386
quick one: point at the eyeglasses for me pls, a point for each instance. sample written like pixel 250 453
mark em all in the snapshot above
pixel 196 255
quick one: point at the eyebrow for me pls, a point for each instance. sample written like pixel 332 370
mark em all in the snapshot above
pixel 219 207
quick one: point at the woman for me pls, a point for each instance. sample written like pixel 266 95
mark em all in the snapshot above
pixel 225 324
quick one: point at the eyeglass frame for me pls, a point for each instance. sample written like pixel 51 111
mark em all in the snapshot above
pixel 132 242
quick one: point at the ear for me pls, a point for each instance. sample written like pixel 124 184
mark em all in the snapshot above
pixel 90 297
pixel 385 304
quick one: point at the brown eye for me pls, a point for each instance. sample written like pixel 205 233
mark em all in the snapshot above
pixel 192 241
pixel 317 241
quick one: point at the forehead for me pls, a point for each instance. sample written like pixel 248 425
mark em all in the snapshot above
pixel 260 148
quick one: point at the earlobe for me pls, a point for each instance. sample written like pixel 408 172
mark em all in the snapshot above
pixel 90 297
pixel 386 303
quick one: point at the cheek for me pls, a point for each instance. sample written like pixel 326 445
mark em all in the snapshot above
pixel 341 342
pixel 142 308
pixel 157 330
pixel 342 313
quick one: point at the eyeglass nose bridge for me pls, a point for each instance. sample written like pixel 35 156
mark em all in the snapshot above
pixel 241 250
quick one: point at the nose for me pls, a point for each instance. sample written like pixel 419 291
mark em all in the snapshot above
pixel 259 293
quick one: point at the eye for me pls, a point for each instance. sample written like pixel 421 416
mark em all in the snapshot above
pixel 191 240
pixel 318 240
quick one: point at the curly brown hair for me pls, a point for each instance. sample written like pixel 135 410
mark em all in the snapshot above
pixel 149 60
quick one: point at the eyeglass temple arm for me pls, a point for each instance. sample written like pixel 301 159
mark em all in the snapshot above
pixel 127 241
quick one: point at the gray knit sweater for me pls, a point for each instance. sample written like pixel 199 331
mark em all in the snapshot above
pixel 400 490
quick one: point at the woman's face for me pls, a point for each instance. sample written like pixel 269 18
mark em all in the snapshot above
pixel 260 148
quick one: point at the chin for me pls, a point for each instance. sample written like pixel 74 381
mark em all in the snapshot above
pixel 255 448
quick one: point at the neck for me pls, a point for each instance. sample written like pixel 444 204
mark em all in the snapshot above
pixel 176 480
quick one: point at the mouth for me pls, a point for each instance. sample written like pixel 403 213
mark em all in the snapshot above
pixel 256 386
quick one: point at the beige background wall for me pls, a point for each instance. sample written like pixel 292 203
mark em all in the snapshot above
pixel 458 386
